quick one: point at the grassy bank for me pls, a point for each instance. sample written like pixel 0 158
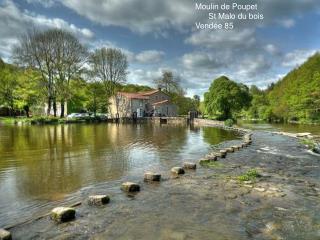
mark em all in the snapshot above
pixel 47 120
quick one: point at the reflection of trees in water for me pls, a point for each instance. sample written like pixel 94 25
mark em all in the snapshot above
pixel 61 158
pixel 214 136
pixel 49 160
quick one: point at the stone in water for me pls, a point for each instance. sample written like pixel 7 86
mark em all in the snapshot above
pixel 63 214
pixel 130 187
pixel 98 200
pixel 189 165
pixel 177 170
pixel 5 235
pixel 151 176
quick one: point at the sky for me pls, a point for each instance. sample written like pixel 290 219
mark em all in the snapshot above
pixel 159 35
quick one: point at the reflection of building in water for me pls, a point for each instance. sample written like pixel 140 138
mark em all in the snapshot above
pixel 142 104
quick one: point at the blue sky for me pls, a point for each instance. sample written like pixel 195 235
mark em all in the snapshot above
pixel 160 35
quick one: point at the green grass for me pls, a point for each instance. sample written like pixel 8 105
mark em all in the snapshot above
pixel 212 164
pixel 311 144
pixel 12 120
pixel 250 175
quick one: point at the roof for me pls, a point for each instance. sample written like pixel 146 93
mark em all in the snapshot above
pixel 133 95
pixel 147 93
pixel 161 102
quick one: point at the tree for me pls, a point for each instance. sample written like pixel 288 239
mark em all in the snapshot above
pixel 168 82
pixel 226 98
pixel 109 66
pixel 69 58
pixel 35 50
pixel 58 56
pixel 8 87
pixel 96 97
pixel 196 99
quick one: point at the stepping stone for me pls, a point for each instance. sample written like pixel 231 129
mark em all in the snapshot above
pixel 5 235
pixel 151 176
pixel 177 170
pixel 189 165
pixel 211 157
pixel 247 137
pixel 221 153
pixel 63 214
pixel 98 200
pixel 230 150
pixel 130 187
pixel 235 148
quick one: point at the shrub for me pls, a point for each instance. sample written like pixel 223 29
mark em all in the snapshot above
pixel 252 174
pixel 229 122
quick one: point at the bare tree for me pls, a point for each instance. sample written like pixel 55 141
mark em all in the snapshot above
pixel 35 51
pixel 69 58
pixel 58 56
pixel 168 82
pixel 110 66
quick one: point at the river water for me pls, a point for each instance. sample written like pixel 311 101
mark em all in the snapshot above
pixel 285 127
pixel 41 166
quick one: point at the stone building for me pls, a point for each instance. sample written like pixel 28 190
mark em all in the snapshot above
pixel 142 104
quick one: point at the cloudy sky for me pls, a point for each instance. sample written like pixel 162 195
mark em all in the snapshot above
pixel 161 34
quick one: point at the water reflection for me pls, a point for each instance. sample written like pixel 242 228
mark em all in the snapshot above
pixel 44 163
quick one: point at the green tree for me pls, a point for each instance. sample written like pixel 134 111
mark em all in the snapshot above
pixel 8 87
pixel 226 98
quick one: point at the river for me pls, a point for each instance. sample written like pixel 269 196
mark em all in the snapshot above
pixel 41 166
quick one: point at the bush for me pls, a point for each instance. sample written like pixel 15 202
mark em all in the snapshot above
pixel 249 175
pixel 229 122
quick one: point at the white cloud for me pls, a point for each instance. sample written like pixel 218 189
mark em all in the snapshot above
pixel 144 77
pixel 272 49
pixel 138 15
pixel 45 3
pixel 287 23
pixel 202 60
pixel 297 57
pixel 150 56
pixel 15 22
pixel 145 16
pixel 222 39
pixel 253 66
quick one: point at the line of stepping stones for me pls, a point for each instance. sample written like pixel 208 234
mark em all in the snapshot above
pixel 65 214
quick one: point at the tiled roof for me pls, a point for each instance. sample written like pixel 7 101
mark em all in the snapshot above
pixel 161 102
pixel 133 95
pixel 147 93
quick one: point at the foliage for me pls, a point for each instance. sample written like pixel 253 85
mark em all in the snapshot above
pixel 57 56
pixel 309 143
pixel 296 97
pixel 229 122
pixel 226 98
pixel 250 175
pixel 18 89
pixel 212 164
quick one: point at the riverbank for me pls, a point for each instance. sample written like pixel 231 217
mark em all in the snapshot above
pixel 211 202
pixel 48 120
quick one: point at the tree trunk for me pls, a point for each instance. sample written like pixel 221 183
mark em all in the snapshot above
pixel 49 106
pixel 62 109
pixel 54 107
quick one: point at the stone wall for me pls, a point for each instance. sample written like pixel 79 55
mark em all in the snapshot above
pixel 207 122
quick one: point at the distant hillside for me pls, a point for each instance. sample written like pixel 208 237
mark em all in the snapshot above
pixel 297 95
